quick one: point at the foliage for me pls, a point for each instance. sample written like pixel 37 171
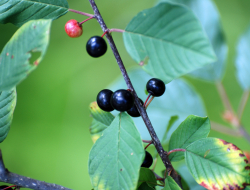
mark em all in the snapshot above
pixel 168 40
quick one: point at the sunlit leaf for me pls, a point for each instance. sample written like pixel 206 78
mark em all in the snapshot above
pixel 101 120
pixel 18 12
pixel 224 167
pixel 179 99
pixel 14 59
pixel 146 176
pixel 169 39
pixel 242 60
pixel 116 157
pixel 7 107
pixel 170 184
pixel 191 129
pixel 209 17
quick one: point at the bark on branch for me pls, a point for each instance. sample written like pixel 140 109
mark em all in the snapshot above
pixel 12 178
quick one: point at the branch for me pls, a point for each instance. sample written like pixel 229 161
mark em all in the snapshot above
pixel 243 103
pixel 12 178
pixel 141 109
pixel 226 130
pixel 231 116
pixel 224 97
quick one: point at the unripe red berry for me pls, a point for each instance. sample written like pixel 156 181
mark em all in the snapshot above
pixel 73 28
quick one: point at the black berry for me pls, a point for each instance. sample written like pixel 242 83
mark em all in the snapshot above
pixel 103 100
pixel 122 100
pixel 156 87
pixel 133 112
pixel 96 46
pixel 148 160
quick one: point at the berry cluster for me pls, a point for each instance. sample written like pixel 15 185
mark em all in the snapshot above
pixel 123 100
pixel 96 45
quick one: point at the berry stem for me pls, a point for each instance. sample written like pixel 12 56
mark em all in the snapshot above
pixel 86 20
pixel 148 144
pixel 146 100
pixel 104 35
pixel 242 104
pixel 9 187
pixel 149 101
pixel 81 13
pixel 140 108
pixel 175 150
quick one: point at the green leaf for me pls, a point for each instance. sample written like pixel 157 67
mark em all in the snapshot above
pixel 101 120
pixel 170 184
pixel 209 17
pixel 242 60
pixel 179 99
pixel 224 167
pixel 172 120
pixel 147 176
pixel 14 59
pixel 7 107
pixel 145 186
pixel 189 131
pixel 18 12
pixel 116 157
pixel 172 40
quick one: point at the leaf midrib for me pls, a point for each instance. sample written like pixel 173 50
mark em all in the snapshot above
pixel 172 43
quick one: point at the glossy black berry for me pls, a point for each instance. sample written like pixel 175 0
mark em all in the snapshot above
pixel 148 160
pixel 133 112
pixel 103 100
pixel 122 100
pixel 4 186
pixel 156 87
pixel 96 46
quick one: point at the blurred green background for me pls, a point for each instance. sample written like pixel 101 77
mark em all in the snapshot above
pixel 49 138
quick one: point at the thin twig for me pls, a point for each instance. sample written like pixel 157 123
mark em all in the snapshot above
pixel 146 141
pixel 226 130
pixel 234 120
pixel 224 97
pixel 242 104
pixel 81 13
pixel 176 150
pixel 18 180
pixel 141 109
pixel 116 30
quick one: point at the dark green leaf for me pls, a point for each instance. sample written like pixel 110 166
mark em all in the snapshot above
pixel 147 176
pixel 224 167
pixel 172 120
pixel 7 107
pixel 18 12
pixel 189 131
pixel 179 99
pixel 209 17
pixel 14 60
pixel 116 157
pixel 242 60
pixel 170 184
pixel 145 186
pixel 170 38
pixel 101 120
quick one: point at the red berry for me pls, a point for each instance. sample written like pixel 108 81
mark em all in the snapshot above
pixel 73 29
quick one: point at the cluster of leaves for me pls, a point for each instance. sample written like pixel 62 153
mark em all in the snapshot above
pixel 167 41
